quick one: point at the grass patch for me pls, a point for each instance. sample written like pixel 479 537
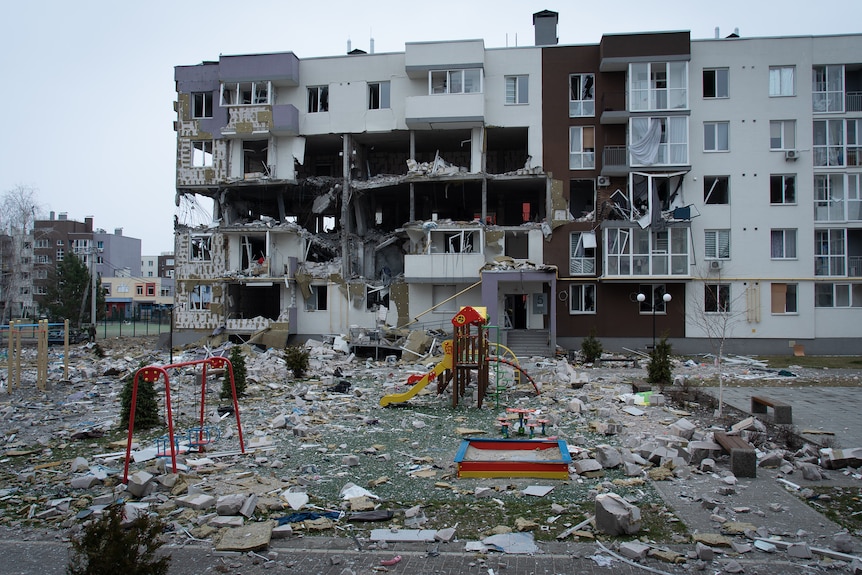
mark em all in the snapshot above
pixel 813 361
pixel 843 505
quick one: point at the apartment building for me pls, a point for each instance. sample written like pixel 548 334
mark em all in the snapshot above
pixel 53 240
pixel 645 186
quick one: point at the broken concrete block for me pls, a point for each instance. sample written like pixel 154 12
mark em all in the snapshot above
pixel 707 465
pixel 247 538
pixel 632 469
pixel 196 501
pixel 616 516
pixel 586 466
pixel 765 546
pixel 220 521
pixel 480 492
pixel 79 464
pixel 811 472
pixel 799 550
pixel 282 531
pixel 771 459
pixel 700 450
pixel 229 504
pixel 634 550
pixel 683 428
pixel 607 456
pixel 350 460
pixel 139 484
pixel 248 506
pixel 733 566
pixel 840 458
pixel 657 399
pixel 704 552
pixel 842 542
pixel 84 481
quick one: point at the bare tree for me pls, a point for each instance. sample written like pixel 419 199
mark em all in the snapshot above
pixel 18 209
pixel 716 312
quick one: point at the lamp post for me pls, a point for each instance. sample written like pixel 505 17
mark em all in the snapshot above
pixel 642 298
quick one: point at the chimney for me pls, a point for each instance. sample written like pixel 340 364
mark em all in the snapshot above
pixel 349 46
pixel 371 46
pixel 62 216
pixel 717 33
pixel 118 231
pixel 51 216
pixel 88 222
pixel 545 24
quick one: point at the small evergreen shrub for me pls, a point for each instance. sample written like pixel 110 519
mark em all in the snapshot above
pixel 658 370
pixel 146 407
pixel 105 547
pixel 591 348
pixel 296 358
pixel 237 360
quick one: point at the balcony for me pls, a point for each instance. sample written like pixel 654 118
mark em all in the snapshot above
pixel 613 106
pixel 615 161
pixel 445 111
pixel 443 268
pixel 854 102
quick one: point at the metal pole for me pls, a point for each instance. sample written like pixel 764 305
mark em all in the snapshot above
pixel 93 286
pixel 653 325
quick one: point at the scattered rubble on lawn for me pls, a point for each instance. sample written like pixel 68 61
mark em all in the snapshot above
pixel 311 444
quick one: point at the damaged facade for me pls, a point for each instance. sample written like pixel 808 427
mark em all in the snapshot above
pixel 549 184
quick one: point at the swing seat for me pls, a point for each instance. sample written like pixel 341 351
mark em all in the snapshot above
pixel 162 444
pixel 200 437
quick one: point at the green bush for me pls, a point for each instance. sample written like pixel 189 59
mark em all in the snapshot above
pixel 146 407
pixel 105 547
pixel 658 370
pixel 591 347
pixel 237 360
pixel 296 358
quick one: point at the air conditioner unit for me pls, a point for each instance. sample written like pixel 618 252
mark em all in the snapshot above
pixel 603 181
pixel 715 265
pixel 791 155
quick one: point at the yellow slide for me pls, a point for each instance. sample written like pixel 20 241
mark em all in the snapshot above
pixel 445 363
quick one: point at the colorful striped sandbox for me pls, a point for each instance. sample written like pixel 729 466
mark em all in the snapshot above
pixel 542 458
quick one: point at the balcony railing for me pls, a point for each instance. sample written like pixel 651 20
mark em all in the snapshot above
pixel 854 266
pixel 854 101
pixel 615 157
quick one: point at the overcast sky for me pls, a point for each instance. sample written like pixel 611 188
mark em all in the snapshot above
pixel 88 88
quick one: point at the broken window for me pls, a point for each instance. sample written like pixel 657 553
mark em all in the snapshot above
pixel 517 89
pixel 254 156
pixel 716 189
pixel 658 85
pixel 201 248
pixel 716 298
pixel 202 104
pixel 318 299
pixel 376 297
pixel 715 82
pixel 784 298
pixel 378 95
pixel 782 189
pixel 582 100
pixel 202 154
pixel 245 93
pixel 460 243
pixel 582 253
pixel 517 245
pixel 582 298
pixel 582 198
pixel 582 148
pixel 318 99
pixel 201 297
pixel 467 81
pixel 717 244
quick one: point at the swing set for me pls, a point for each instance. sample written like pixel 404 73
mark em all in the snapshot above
pixel 199 436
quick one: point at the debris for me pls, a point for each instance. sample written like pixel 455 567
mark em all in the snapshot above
pixel 513 543
pixel 616 516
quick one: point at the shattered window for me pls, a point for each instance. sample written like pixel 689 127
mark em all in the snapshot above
pixel 202 154
pixel 517 89
pixel 716 189
pixel 202 105
pixel 582 95
pixel 318 99
pixel 245 93
pixel 201 248
pixel 654 298
pixel 582 253
pixel 378 95
pixel 582 298
pixel 318 299
pixel 782 189
pixel 201 297
pixel 715 83
pixel 716 298
pixel 784 298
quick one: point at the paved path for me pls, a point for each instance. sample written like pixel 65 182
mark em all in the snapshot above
pixel 825 409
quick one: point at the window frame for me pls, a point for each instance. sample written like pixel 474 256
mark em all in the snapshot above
pixel 717 253
pixel 517 89
pixel 783 189
pixel 582 299
pixel 716 128
pixel 452 78
pixel 783 305
pixel 586 155
pixel 784 136
pixel 246 93
pixel 782 241
pixel 380 93
pixel 716 190
pixel 317 99
pixel 821 94
pixel 580 260
pixel 716 83
pixel 850 298
pixel 586 85
pixel 200 297
pixel 202 153
pixel 778 87
pixel 202 105
pixel 716 298
pixel 657 306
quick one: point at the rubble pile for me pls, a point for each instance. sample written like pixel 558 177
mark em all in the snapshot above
pixel 321 457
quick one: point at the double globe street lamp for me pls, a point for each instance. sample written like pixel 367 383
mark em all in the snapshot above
pixel 653 305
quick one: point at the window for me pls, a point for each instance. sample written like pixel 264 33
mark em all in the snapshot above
pixel 716 298
pixel 582 253
pixel 100 244
pixel 783 244
pixel 201 296
pixel 164 292
pixel 106 287
pixel 41 274
pixel 40 290
pixel 654 294
pixel 837 295
pixel 149 274
pixel 245 93
pixel 784 298
pixel 716 189
pixel 139 290
pixel 582 148
pixel 827 88
pixel 829 251
pixel 582 100
pixel 837 197
pixel 781 81
pixel 782 189
pixel 517 89
pixel 378 95
pixel 60 254
pixel 201 248
pixel 42 244
pixel 318 99
pixel 202 154
pixel 151 290
pixel 782 135
pixel 715 136
pixel 582 298
pixel 318 299
pixel 715 82
pixel 467 81
pixel 202 104
pixel 672 132
pixel 24 290
pixel 658 86
pixel 60 243
pixel 717 244
pixel 829 142
pixel 443 298
pixel 43 259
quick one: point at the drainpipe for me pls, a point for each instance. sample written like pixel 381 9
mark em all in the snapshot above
pixel 345 212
